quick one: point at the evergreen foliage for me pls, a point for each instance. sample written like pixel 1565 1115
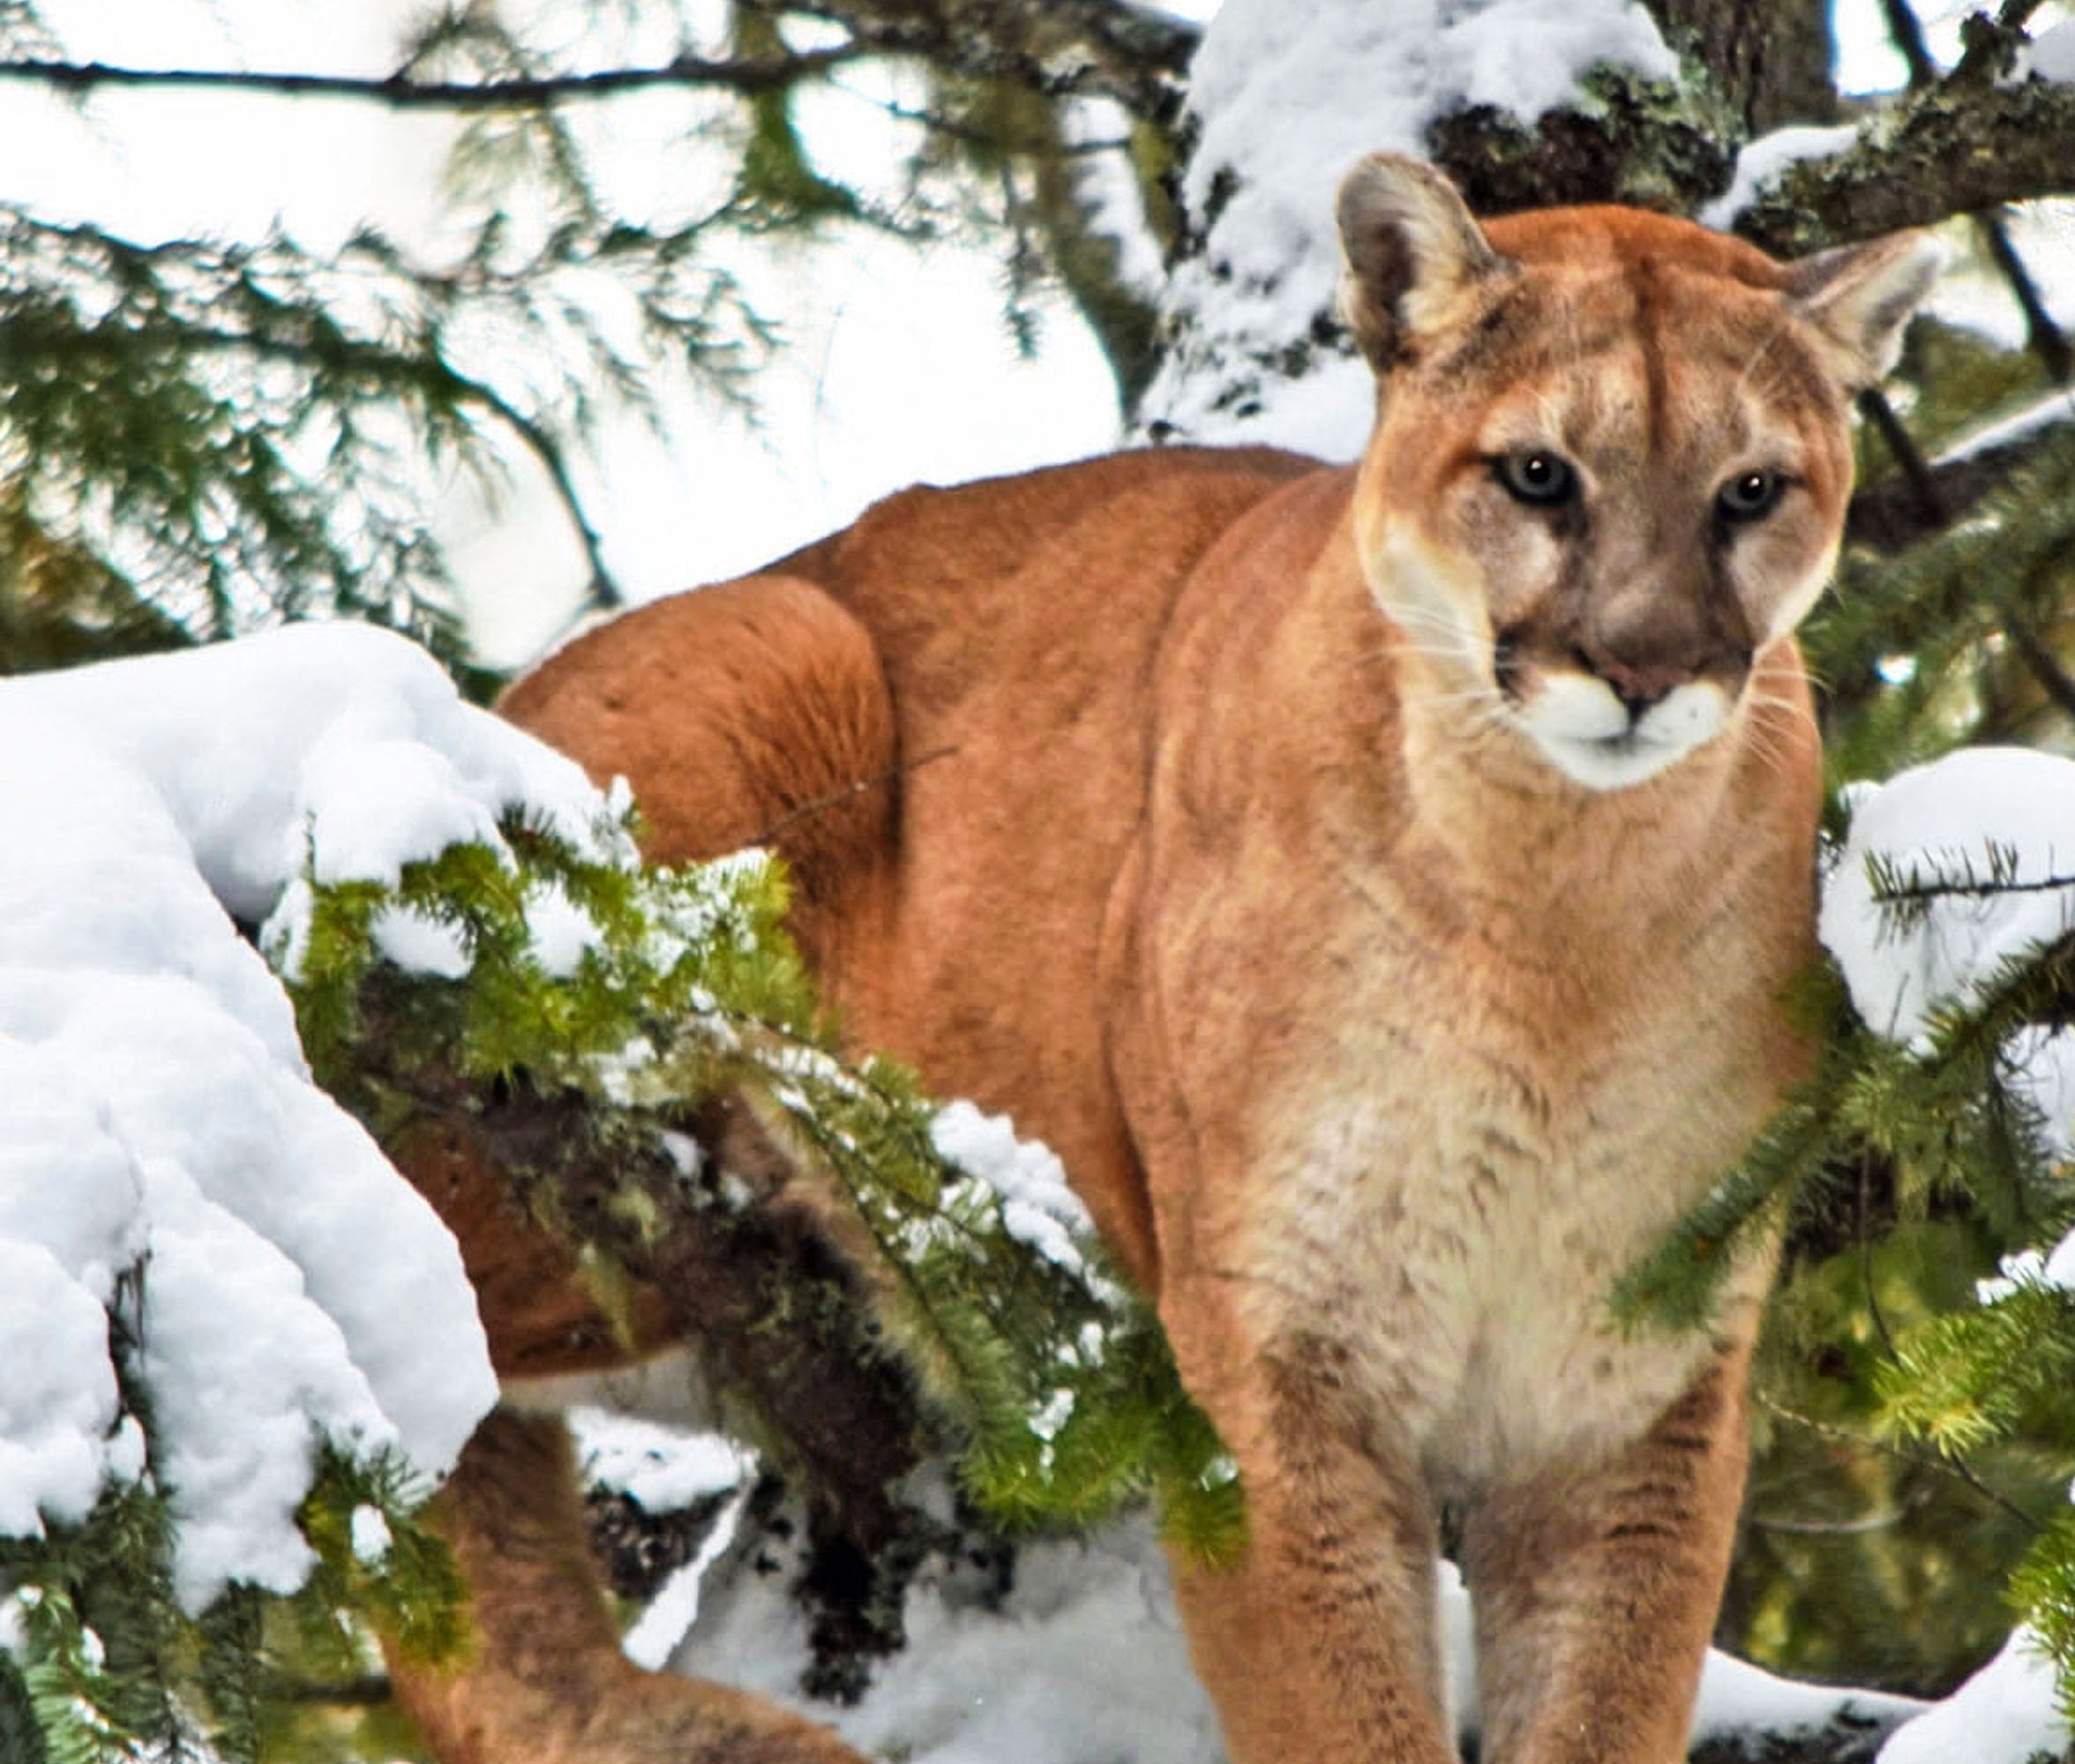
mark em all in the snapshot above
pixel 1054 1383
pixel 230 433
pixel 106 1667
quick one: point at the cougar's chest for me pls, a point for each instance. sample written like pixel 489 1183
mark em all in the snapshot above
pixel 1451 1191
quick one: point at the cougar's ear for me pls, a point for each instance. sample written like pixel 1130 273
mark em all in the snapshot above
pixel 1859 297
pixel 1411 252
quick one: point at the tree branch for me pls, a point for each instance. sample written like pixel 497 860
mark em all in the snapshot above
pixel 602 591
pixel 1906 32
pixel 402 93
pixel 2044 666
pixel 1111 49
pixel 2046 338
pixel 1108 48
pixel 1967 143
pixel 1899 510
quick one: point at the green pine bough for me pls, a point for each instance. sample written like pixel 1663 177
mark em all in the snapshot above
pixel 1049 1378
pixel 1940 1119
pixel 1944 1124
pixel 105 1667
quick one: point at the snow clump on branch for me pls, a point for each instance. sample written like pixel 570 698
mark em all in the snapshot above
pixel 1952 873
pixel 1288 95
pixel 178 1199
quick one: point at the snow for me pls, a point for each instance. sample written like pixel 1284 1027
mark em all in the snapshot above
pixel 1934 820
pixel 351 738
pixel 370 1533
pixel 1108 185
pixel 1038 1208
pixel 58 1401
pixel 163 1152
pixel 670 1614
pixel 1084 1658
pixel 1360 78
pixel 2049 410
pixel 1739 1698
pixel 561 932
pixel 662 1468
pixel 1763 161
pixel 666 1470
pixel 2003 1715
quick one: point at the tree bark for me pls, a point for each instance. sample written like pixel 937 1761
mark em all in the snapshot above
pixel 1770 59
pixel 1963 145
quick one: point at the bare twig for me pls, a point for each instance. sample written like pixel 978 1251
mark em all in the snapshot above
pixel 1955 1467
pixel 2047 340
pixel 1873 1304
pixel 1895 513
pixel 1111 49
pixel 849 791
pixel 1917 892
pixel 2044 666
pixel 1906 31
pixel 399 92
pixel 371 1691
pixel 1874 406
pixel 1832 1527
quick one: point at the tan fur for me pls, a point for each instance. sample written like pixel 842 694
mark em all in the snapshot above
pixel 1379 891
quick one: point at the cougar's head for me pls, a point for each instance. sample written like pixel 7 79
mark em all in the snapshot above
pixel 1612 454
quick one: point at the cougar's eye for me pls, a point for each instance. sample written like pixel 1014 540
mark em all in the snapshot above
pixel 1540 478
pixel 1749 495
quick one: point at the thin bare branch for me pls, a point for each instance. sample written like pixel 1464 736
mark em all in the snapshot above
pixel 602 591
pixel 402 93
pixel 1958 1468
pixel 1896 512
pixel 2043 665
pixel 1906 32
pixel 2045 339
pixel 1111 49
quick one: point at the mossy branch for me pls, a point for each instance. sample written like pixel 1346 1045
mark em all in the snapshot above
pixel 1966 143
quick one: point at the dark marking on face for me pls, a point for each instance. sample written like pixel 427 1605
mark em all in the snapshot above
pixel 1506 662
pixel 1646 287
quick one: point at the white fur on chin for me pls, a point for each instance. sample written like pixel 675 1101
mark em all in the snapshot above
pixel 1585 731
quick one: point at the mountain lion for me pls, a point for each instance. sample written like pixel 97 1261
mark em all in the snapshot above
pixel 1378 885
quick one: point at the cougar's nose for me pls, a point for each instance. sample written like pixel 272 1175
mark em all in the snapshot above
pixel 1638 685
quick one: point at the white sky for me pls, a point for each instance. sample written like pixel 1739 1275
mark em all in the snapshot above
pixel 899 368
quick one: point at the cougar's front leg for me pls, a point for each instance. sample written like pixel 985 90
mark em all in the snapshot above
pixel 545 1681
pixel 1596 1587
pixel 1320 1643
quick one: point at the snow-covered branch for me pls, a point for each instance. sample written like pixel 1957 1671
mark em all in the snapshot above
pixel 1969 143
